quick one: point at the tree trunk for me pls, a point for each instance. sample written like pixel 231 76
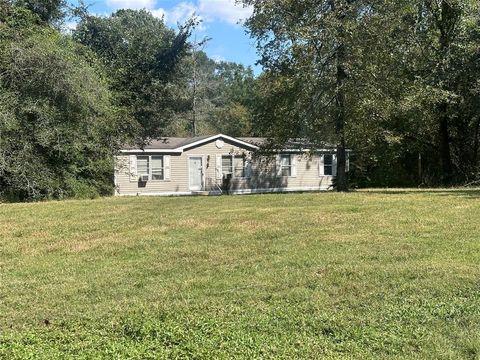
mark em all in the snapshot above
pixel 420 170
pixel 340 118
pixel 476 146
pixel 341 181
pixel 194 98
pixel 446 24
pixel 444 138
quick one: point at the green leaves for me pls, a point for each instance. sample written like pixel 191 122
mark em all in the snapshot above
pixel 57 118
pixel 67 103
pixel 48 11
pixel 408 72
pixel 141 56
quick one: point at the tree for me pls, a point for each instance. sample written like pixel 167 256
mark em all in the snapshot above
pixel 142 56
pixel 48 11
pixel 443 33
pixel 58 128
pixel 433 43
pixel 308 50
pixel 394 80
pixel 222 97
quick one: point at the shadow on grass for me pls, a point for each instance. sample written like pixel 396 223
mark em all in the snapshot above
pixel 463 193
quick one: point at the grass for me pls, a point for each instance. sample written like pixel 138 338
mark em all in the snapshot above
pixel 377 274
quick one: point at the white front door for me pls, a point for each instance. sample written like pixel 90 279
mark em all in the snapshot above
pixel 195 172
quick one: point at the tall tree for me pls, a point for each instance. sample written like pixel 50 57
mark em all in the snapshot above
pixel 308 50
pixel 441 30
pixel 222 94
pixel 142 56
pixel 48 11
pixel 434 45
pixel 58 128
pixel 395 80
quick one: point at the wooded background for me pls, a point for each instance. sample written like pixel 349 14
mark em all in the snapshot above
pixel 395 81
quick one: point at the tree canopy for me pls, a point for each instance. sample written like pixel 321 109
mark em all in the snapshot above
pixel 58 126
pixel 141 56
pixel 68 102
pixel 395 82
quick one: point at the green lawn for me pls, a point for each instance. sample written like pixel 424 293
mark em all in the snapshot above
pixel 380 274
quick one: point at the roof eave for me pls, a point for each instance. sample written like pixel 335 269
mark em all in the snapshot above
pixel 181 149
pixel 149 151
pixel 308 150
pixel 214 137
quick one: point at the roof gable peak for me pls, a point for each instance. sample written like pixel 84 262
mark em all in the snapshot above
pixel 216 137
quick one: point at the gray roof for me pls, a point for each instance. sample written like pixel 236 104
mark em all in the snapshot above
pixel 296 144
pixel 172 143
pixel 258 141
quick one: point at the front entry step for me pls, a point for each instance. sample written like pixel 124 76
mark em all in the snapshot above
pixel 200 193
pixel 205 193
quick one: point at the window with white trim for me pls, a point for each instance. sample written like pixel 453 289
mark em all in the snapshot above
pixel 285 165
pixel 227 168
pixel 157 168
pixel 233 165
pixel 239 166
pixel 151 166
pixel 328 164
pixel 143 166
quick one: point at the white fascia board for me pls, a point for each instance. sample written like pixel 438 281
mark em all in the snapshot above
pixel 302 150
pixel 214 137
pixel 308 150
pixel 151 151
pixel 181 149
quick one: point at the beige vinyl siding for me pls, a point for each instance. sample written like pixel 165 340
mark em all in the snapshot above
pixel 306 174
pixel 263 174
pixel 211 150
pixel 176 183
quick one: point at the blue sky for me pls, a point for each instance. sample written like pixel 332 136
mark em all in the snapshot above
pixel 221 21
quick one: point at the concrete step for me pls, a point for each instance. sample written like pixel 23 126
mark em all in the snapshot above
pixel 205 193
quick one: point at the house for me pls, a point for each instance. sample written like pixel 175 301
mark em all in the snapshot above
pixel 221 163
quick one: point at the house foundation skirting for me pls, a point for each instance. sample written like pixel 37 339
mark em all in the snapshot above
pixel 231 192
pixel 279 190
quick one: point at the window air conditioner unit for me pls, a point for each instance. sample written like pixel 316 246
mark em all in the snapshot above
pixel 144 178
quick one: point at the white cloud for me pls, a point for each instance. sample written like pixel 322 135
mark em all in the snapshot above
pixel 159 13
pixel 182 12
pixel 205 10
pixel 70 25
pixel 218 58
pixel 223 10
pixel 131 4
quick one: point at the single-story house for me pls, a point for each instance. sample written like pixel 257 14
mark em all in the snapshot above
pixel 218 164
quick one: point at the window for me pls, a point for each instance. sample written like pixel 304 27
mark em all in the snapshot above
pixel 328 164
pixel 157 167
pixel 143 165
pixel 151 166
pixel 285 165
pixel 227 165
pixel 233 165
pixel 239 166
